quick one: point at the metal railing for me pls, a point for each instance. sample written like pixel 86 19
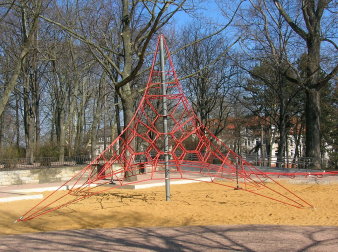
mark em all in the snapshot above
pixel 45 162
pixel 42 162
pixel 274 162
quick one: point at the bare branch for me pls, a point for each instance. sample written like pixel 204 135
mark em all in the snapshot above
pixel 287 18
pixel 83 39
pixel 212 34
pixel 212 62
pixel 322 4
pixel 17 69
pixel 328 77
pixel 8 10
pixel 331 42
pixel 266 29
pixel 134 72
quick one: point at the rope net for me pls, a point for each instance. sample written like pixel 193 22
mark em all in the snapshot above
pixel 137 154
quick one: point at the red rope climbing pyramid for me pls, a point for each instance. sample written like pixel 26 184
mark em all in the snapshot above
pixel 137 155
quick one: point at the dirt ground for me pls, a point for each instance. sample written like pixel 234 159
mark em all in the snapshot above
pixel 190 205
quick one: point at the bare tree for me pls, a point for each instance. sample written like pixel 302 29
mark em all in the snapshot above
pixel 265 51
pixel 122 49
pixel 20 45
pixel 31 89
pixel 34 8
pixel 275 100
pixel 310 30
pixel 209 87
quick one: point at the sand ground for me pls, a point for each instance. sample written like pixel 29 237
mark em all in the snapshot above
pixel 190 205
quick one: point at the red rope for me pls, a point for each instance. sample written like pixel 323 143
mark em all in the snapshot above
pixel 140 146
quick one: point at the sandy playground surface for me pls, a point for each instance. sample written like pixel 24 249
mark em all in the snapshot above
pixel 191 204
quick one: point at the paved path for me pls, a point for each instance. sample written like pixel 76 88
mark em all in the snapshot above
pixel 19 192
pixel 33 191
pixel 195 238
pixel 24 187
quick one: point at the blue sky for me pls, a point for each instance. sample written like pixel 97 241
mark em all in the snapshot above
pixel 205 9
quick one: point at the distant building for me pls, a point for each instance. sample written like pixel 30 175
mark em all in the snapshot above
pixel 255 138
pixel 252 137
pixel 100 143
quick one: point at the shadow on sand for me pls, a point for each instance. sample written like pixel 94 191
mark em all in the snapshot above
pixel 189 238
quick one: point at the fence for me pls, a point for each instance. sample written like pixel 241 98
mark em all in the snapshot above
pixel 42 162
pixel 267 162
pixel 45 162
pixel 299 163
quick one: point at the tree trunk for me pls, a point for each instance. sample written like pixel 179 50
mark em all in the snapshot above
pixel 125 91
pixel 281 142
pixel 128 112
pixel 263 146
pixel 79 131
pixel 96 116
pixel 127 104
pixel 80 126
pixel 312 106
pixel 13 81
pixel 1 132
pixel 17 121
pixel 282 128
pixel 35 91
pixel 93 135
pixel 73 95
pixel 52 131
pixel 28 115
pixel 287 152
pixel 312 11
pixel 271 140
pixel 312 117
pixel 117 123
pixel 27 41
pixel 297 136
pixel 35 107
pixel 61 134
pixel 29 134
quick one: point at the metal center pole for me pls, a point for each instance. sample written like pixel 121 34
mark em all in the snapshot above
pixel 165 122
pixel 237 186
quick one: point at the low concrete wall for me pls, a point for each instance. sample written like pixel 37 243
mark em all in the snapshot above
pixel 38 175
pixel 45 175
